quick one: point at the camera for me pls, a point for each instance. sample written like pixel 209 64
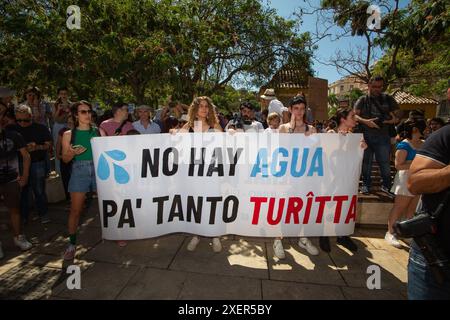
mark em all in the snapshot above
pixel 419 225
pixel 238 122
pixel 423 229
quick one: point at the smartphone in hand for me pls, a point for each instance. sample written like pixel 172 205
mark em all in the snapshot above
pixel 79 147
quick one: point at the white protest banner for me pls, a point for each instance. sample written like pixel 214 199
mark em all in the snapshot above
pixel 212 184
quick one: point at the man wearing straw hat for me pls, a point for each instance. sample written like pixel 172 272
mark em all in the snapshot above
pixel 270 101
pixel 145 125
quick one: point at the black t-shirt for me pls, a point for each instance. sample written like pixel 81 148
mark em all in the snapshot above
pixel 376 107
pixel 37 133
pixel 10 143
pixel 437 148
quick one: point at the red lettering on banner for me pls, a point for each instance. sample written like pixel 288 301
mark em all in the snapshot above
pixel 293 209
pixel 337 212
pixel 270 218
pixel 352 210
pixel 295 205
pixel 257 209
pixel 310 196
pixel 322 201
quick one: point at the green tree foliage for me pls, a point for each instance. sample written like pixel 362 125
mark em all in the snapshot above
pixel 353 95
pixel 229 99
pixel 423 58
pixel 415 40
pixel 145 51
pixel 333 104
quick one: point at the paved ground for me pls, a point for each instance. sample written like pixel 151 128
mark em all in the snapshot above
pixel 162 268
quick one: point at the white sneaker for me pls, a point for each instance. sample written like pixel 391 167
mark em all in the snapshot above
pixel 305 243
pixel 1 251
pixel 278 249
pixel 22 242
pixel 392 240
pixel 193 243
pixel 217 246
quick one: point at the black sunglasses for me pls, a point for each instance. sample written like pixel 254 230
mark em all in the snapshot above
pixel 23 120
pixel 85 111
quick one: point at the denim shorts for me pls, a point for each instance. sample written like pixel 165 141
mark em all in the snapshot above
pixel 82 178
pixel 421 282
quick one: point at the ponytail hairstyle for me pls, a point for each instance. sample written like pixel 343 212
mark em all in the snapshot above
pixel 341 113
pixel 332 124
pixel 405 128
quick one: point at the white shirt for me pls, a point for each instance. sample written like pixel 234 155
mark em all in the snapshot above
pixel 269 129
pixel 255 126
pixel 276 106
pixel 151 128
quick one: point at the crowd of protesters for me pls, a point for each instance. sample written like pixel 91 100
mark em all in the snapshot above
pixel 35 131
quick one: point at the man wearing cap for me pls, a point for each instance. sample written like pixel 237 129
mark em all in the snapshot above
pixel 270 101
pixel 145 125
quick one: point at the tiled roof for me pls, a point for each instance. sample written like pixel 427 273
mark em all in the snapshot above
pixel 289 77
pixel 407 98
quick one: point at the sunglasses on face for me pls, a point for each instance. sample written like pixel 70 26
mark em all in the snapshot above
pixel 85 111
pixel 23 120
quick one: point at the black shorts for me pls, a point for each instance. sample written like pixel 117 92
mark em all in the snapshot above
pixel 11 194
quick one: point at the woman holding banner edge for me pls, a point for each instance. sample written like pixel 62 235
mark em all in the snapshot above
pixel 346 121
pixel 76 147
pixel 297 124
pixel 202 117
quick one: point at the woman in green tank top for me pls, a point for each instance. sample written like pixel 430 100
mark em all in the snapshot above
pixel 76 147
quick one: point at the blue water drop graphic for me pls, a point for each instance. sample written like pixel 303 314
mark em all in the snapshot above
pixel 103 168
pixel 116 155
pixel 120 174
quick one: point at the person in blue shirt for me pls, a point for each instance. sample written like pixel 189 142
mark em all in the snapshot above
pixel 411 132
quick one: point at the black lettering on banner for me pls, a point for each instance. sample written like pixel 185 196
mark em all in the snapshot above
pixel 177 209
pixel 234 209
pixel 148 162
pixel 200 162
pixel 108 214
pixel 166 154
pixel 160 201
pixel 233 159
pixel 196 210
pixel 212 215
pixel 216 163
pixel 123 214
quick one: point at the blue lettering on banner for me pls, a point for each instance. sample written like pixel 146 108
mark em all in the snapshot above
pixel 278 167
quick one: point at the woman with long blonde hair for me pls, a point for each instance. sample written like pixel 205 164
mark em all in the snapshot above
pixel 202 117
